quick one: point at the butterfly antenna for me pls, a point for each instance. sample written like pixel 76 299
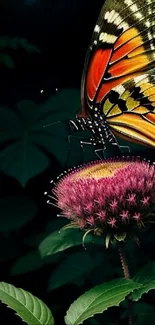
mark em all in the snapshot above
pixel 50 124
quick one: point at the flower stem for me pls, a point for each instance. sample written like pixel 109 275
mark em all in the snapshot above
pixel 124 262
pixel 126 272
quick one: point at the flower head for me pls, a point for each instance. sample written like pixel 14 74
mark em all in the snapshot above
pixel 111 195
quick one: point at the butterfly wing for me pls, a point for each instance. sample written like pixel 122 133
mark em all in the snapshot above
pixel 122 48
pixel 132 115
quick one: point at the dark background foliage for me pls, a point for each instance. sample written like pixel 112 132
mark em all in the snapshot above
pixel 31 155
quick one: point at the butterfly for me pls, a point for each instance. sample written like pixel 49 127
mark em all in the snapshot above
pixel 118 81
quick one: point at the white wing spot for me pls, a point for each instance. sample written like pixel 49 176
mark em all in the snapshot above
pixel 128 2
pixel 138 15
pixel 114 17
pixel 139 78
pixel 107 38
pixel 97 29
pixel 149 36
pixel 147 23
pixel 120 89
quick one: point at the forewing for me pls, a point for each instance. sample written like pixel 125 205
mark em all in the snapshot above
pixel 122 47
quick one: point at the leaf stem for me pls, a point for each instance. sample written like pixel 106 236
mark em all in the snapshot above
pixel 126 273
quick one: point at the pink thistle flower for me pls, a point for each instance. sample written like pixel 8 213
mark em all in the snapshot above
pixel 88 208
pixel 114 205
pixel 137 216
pixel 125 215
pixel 145 201
pixel 101 215
pixel 131 199
pixel 112 222
pixel 113 195
pixel 90 221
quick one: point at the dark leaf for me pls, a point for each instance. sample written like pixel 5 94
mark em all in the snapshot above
pixel 16 211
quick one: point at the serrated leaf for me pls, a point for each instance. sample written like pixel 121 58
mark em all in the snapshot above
pixel 148 283
pixel 15 212
pixel 74 266
pixel 99 299
pixel 28 307
pixel 146 276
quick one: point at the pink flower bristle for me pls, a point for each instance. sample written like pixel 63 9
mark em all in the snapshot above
pixel 125 216
pixel 91 220
pixel 112 222
pixel 114 205
pixel 107 202
pixel 101 216
pixel 145 201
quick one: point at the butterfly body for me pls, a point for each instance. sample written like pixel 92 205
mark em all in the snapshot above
pixel 118 81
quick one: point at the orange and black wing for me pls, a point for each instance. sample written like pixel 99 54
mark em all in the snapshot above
pixel 130 109
pixel 122 49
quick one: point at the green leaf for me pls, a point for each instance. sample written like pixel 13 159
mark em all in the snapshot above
pixel 74 266
pixel 145 276
pixel 102 274
pixel 55 225
pixel 31 262
pixel 16 211
pixel 16 43
pixel 23 161
pixel 23 43
pixel 50 227
pixel 148 283
pixel 64 105
pixel 31 144
pixel 28 307
pixel 59 241
pixel 7 60
pixel 99 299
pixel 27 263
pixel 145 313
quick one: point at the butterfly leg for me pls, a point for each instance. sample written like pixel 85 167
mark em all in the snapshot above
pixel 74 126
pixel 82 145
pixel 111 149
pixel 102 155
pixel 99 152
pixel 125 149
